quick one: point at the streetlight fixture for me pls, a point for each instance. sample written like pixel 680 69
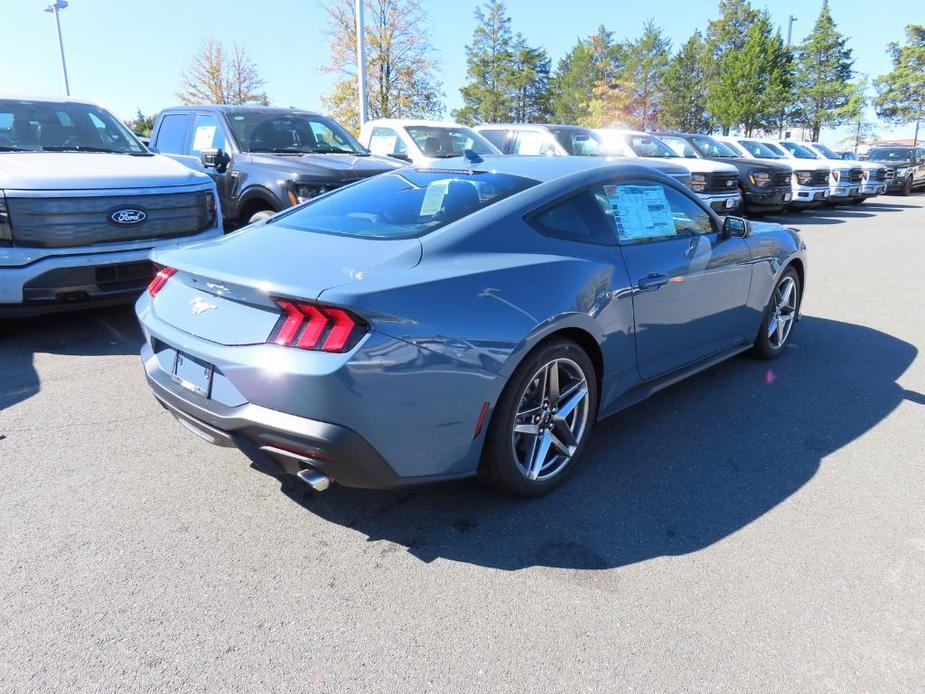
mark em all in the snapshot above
pixel 55 8
pixel 363 109
pixel 790 20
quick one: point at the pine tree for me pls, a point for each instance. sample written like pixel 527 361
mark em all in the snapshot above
pixel 825 95
pixel 487 96
pixel 684 103
pixel 530 80
pixel 901 92
pixel 646 61
pixel 588 87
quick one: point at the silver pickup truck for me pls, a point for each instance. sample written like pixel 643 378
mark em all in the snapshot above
pixel 82 205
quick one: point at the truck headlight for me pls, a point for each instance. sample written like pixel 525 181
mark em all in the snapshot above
pixel 901 172
pixel 760 177
pixel 303 192
pixel 6 228
pixel 698 182
pixel 865 174
pixel 804 178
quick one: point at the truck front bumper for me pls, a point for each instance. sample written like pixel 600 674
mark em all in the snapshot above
pixel 724 203
pixel 808 196
pixel 37 280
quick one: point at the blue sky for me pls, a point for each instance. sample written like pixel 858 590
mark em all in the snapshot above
pixel 129 55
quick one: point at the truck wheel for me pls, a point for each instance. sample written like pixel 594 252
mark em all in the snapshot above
pixel 907 186
pixel 262 214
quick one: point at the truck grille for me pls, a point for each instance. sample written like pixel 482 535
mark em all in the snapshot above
pixel 820 178
pixel 888 174
pixel 61 222
pixel 721 183
pixel 780 179
pixel 851 175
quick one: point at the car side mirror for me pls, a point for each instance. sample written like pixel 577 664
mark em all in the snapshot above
pixel 735 227
pixel 214 159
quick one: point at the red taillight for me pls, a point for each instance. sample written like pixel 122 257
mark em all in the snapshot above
pixel 304 325
pixel 160 279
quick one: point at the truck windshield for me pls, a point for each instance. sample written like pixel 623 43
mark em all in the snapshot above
pixel 713 148
pixel 826 152
pixel 799 151
pixel 404 204
pixel 49 126
pixel 292 132
pixel 443 142
pixel 761 150
pixel 889 154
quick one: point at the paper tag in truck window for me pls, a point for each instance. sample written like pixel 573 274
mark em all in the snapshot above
pixel 204 137
pixel 640 212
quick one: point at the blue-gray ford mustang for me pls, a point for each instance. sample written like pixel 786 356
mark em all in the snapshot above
pixel 432 324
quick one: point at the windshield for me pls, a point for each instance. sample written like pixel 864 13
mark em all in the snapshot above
pixel 579 142
pixel 404 204
pixel 762 150
pixel 799 151
pixel 682 147
pixel 826 152
pixel 647 146
pixel 444 142
pixel 890 154
pixel 272 131
pixel 48 126
pixel 713 148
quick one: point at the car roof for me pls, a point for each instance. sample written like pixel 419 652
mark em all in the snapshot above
pixel 529 126
pixel 232 108
pixel 404 122
pixel 540 167
pixel 623 131
pixel 50 99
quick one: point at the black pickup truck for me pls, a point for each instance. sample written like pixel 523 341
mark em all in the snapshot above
pixel 264 160
pixel 905 166
pixel 764 183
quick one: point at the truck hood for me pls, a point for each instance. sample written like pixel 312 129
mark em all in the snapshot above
pixel 91 171
pixel 745 164
pixel 703 165
pixel 326 167
pixel 889 163
pixel 868 165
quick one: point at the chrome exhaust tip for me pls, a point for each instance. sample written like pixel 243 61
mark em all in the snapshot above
pixel 314 479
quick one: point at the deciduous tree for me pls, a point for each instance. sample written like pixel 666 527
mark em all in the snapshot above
pixel 400 65
pixel 140 124
pixel 218 76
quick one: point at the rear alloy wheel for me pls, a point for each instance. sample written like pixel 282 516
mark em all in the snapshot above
pixel 779 317
pixel 542 420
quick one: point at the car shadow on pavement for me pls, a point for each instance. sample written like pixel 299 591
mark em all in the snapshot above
pixel 672 475
pixel 85 333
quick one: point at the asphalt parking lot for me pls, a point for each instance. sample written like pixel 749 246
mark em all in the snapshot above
pixel 760 527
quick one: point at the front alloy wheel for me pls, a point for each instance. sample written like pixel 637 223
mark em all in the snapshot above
pixel 542 421
pixel 780 315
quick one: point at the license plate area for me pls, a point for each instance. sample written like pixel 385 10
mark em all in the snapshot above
pixel 193 374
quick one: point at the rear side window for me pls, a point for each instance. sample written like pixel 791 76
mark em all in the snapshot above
pixel 385 141
pixel 578 218
pixel 404 204
pixel 531 142
pixel 171 136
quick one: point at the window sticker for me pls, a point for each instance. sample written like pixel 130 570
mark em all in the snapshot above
pixel 433 198
pixel 205 136
pixel 640 212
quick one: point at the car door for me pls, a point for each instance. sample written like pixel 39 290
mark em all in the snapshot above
pixel 919 164
pixel 689 282
pixel 209 133
pixel 171 136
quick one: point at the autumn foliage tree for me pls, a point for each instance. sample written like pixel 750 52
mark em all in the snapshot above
pixel 219 76
pixel 400 64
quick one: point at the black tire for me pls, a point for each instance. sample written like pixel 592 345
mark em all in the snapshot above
pixel 498 466
pixel 907 186
pixel 764 347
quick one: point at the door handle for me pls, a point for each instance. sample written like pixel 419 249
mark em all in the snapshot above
pixel 652 281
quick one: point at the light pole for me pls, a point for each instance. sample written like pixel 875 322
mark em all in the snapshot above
pixel 790 20
pixel 361 63
pixel 55 8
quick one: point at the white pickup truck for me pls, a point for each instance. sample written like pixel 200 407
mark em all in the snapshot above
pixel 83 204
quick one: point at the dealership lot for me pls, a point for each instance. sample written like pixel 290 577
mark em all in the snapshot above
pixel 761 526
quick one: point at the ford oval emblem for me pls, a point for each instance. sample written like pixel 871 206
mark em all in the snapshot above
pixel 127 216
